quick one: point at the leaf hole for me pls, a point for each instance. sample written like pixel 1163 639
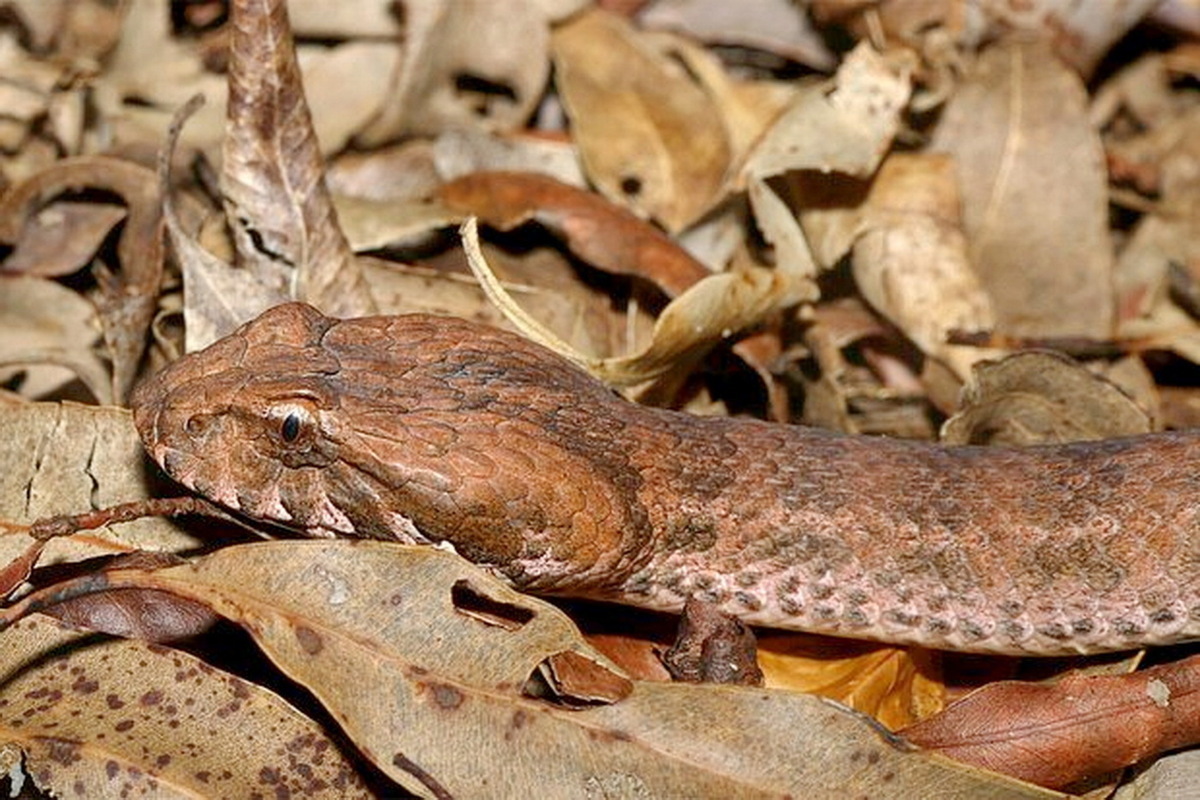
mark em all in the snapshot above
pixel 477 605
pixel 483 95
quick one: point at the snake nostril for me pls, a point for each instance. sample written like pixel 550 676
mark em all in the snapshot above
pixel 197 424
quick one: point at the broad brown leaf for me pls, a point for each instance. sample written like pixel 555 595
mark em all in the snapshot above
pixel 273 178
pixel 97 717
pixel 446 660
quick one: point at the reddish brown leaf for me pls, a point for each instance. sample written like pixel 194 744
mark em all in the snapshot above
pixel 1061 734
pixel 601 233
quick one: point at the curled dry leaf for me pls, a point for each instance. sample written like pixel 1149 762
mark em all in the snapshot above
pixel 273 176
pixel 1035 202
pixel 97 717
pixel 711 310
pixel 219 296
pixel 459 68
pixel 434 678
pixel 601 233
pixel 1036 398
pixel 61 239
pixel 143 614
pixel 1058 735
pixel 128 298
pixel 44 323
pixel 846 128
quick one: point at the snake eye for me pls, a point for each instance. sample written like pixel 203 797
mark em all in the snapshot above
pixel 290 429
pixel 294 423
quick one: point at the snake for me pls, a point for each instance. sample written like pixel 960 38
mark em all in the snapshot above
pixel 437 430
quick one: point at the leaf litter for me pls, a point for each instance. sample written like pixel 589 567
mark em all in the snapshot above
pixel 730 209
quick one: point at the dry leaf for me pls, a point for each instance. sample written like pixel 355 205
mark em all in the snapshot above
pixel 771 25
pixel 844 128
pixel 43 323
pixel 603 234
pixel 465 63
pixel 96 717
pixel 1059 735
pixel 273 180
pixel 910 259
pixel 61 238
pixel 649 137
pixel 458 153
pixel 895 685
pixel 66 458
pixel 1036 398
pixel 445 679
pixel 1035 205
pixel 127 299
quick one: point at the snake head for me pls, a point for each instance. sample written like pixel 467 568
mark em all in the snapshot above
pixel 246 422
pixel 414 427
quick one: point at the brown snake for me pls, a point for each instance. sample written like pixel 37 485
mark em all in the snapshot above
pixel 421 428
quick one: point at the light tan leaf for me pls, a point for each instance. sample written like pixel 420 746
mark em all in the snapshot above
pixel 97 717
pixel 1035 204
pixel 846 127
pixel 219 296
pixel 649 136
pixel 459 152
pixel 466 63
pixel 711 310
pixel 910 259
pixel 333 85
pixel 44 323
pixel 776 26
pixel 67 458
pixel 150 74
pixel 445 658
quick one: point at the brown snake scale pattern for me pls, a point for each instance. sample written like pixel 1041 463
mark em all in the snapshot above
pixel 421 428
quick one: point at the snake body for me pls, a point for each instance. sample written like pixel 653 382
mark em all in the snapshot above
pixel 432 429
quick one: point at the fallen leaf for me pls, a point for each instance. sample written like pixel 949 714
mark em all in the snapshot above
pixel 273 180
pixel 444 681
pixel 601 233
pixel 911 263
pixel 846 127
pixel 1080 727
pixel 62 238
pixel 1037 398
pixel 1035 206
pixel 460 68
pixel 649 137
pixel 66 458
pixel 47 324
pixel 127 299
pixel 98 717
